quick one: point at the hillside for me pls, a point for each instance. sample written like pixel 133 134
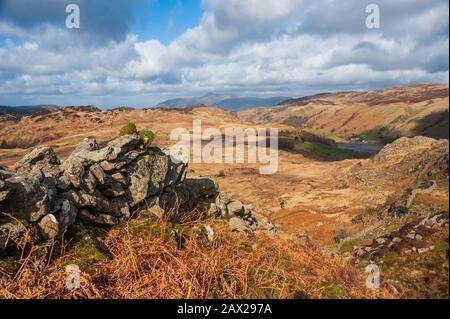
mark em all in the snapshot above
pixel 381 114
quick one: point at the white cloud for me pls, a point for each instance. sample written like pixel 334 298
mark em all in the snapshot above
pixel 263 47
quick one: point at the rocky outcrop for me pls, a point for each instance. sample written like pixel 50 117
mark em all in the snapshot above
pixel 104 186
pixel 411 238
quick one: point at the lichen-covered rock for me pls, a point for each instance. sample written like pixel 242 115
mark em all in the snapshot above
pixel 63 183
pixel 31 198
pixel 203 186
pixel 238 225
pixel 97 218
pixel 147 177
pixel 235 208
pixel 41 159
pixel 66 214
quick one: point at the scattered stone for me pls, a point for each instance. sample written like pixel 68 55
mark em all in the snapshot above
pixel 238 225
pixel 235 208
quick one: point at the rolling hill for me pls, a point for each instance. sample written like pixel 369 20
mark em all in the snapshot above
pixel 372 115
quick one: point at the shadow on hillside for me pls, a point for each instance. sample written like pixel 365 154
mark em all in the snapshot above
pixel 318 151
pixel 435 125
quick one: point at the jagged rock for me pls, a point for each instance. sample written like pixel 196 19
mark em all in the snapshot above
pixel 39 159
pixel 203 186
pixel 147 177
pixel 122 145
pixel 238 225
pixel 235 208
pixel 209 209
pixel 107 166
pixel 113 190
pixel 126 159
pixel 98 173
pixel 66 213
pixel 80 198
pixel 11 235
pixel 176 173
pixel 97 218
pixel 117 207
pixel 222 199
pixel 31 197
pixel 118 177
pixel 88 144
pixel 48 227
pixel 63 183
pixel 74 170
pixel 89 184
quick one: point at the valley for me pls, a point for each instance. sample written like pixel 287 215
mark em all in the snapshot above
pixel 337 199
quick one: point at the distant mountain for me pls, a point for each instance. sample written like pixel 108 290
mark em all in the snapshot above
pixel 230 102
pixel 25 110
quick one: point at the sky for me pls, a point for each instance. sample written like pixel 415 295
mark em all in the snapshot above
pixel 141 52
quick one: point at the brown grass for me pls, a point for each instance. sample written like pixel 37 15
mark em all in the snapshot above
pixel 144 263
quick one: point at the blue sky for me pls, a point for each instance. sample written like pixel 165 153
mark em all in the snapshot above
pixel 141 52
pixel 166 19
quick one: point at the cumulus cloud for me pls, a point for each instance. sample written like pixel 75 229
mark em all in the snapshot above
pixel 257 47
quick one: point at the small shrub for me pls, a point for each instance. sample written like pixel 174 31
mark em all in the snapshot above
pixel 146 137
pixel 128 129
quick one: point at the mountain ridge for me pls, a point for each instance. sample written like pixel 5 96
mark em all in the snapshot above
pixel 230 102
